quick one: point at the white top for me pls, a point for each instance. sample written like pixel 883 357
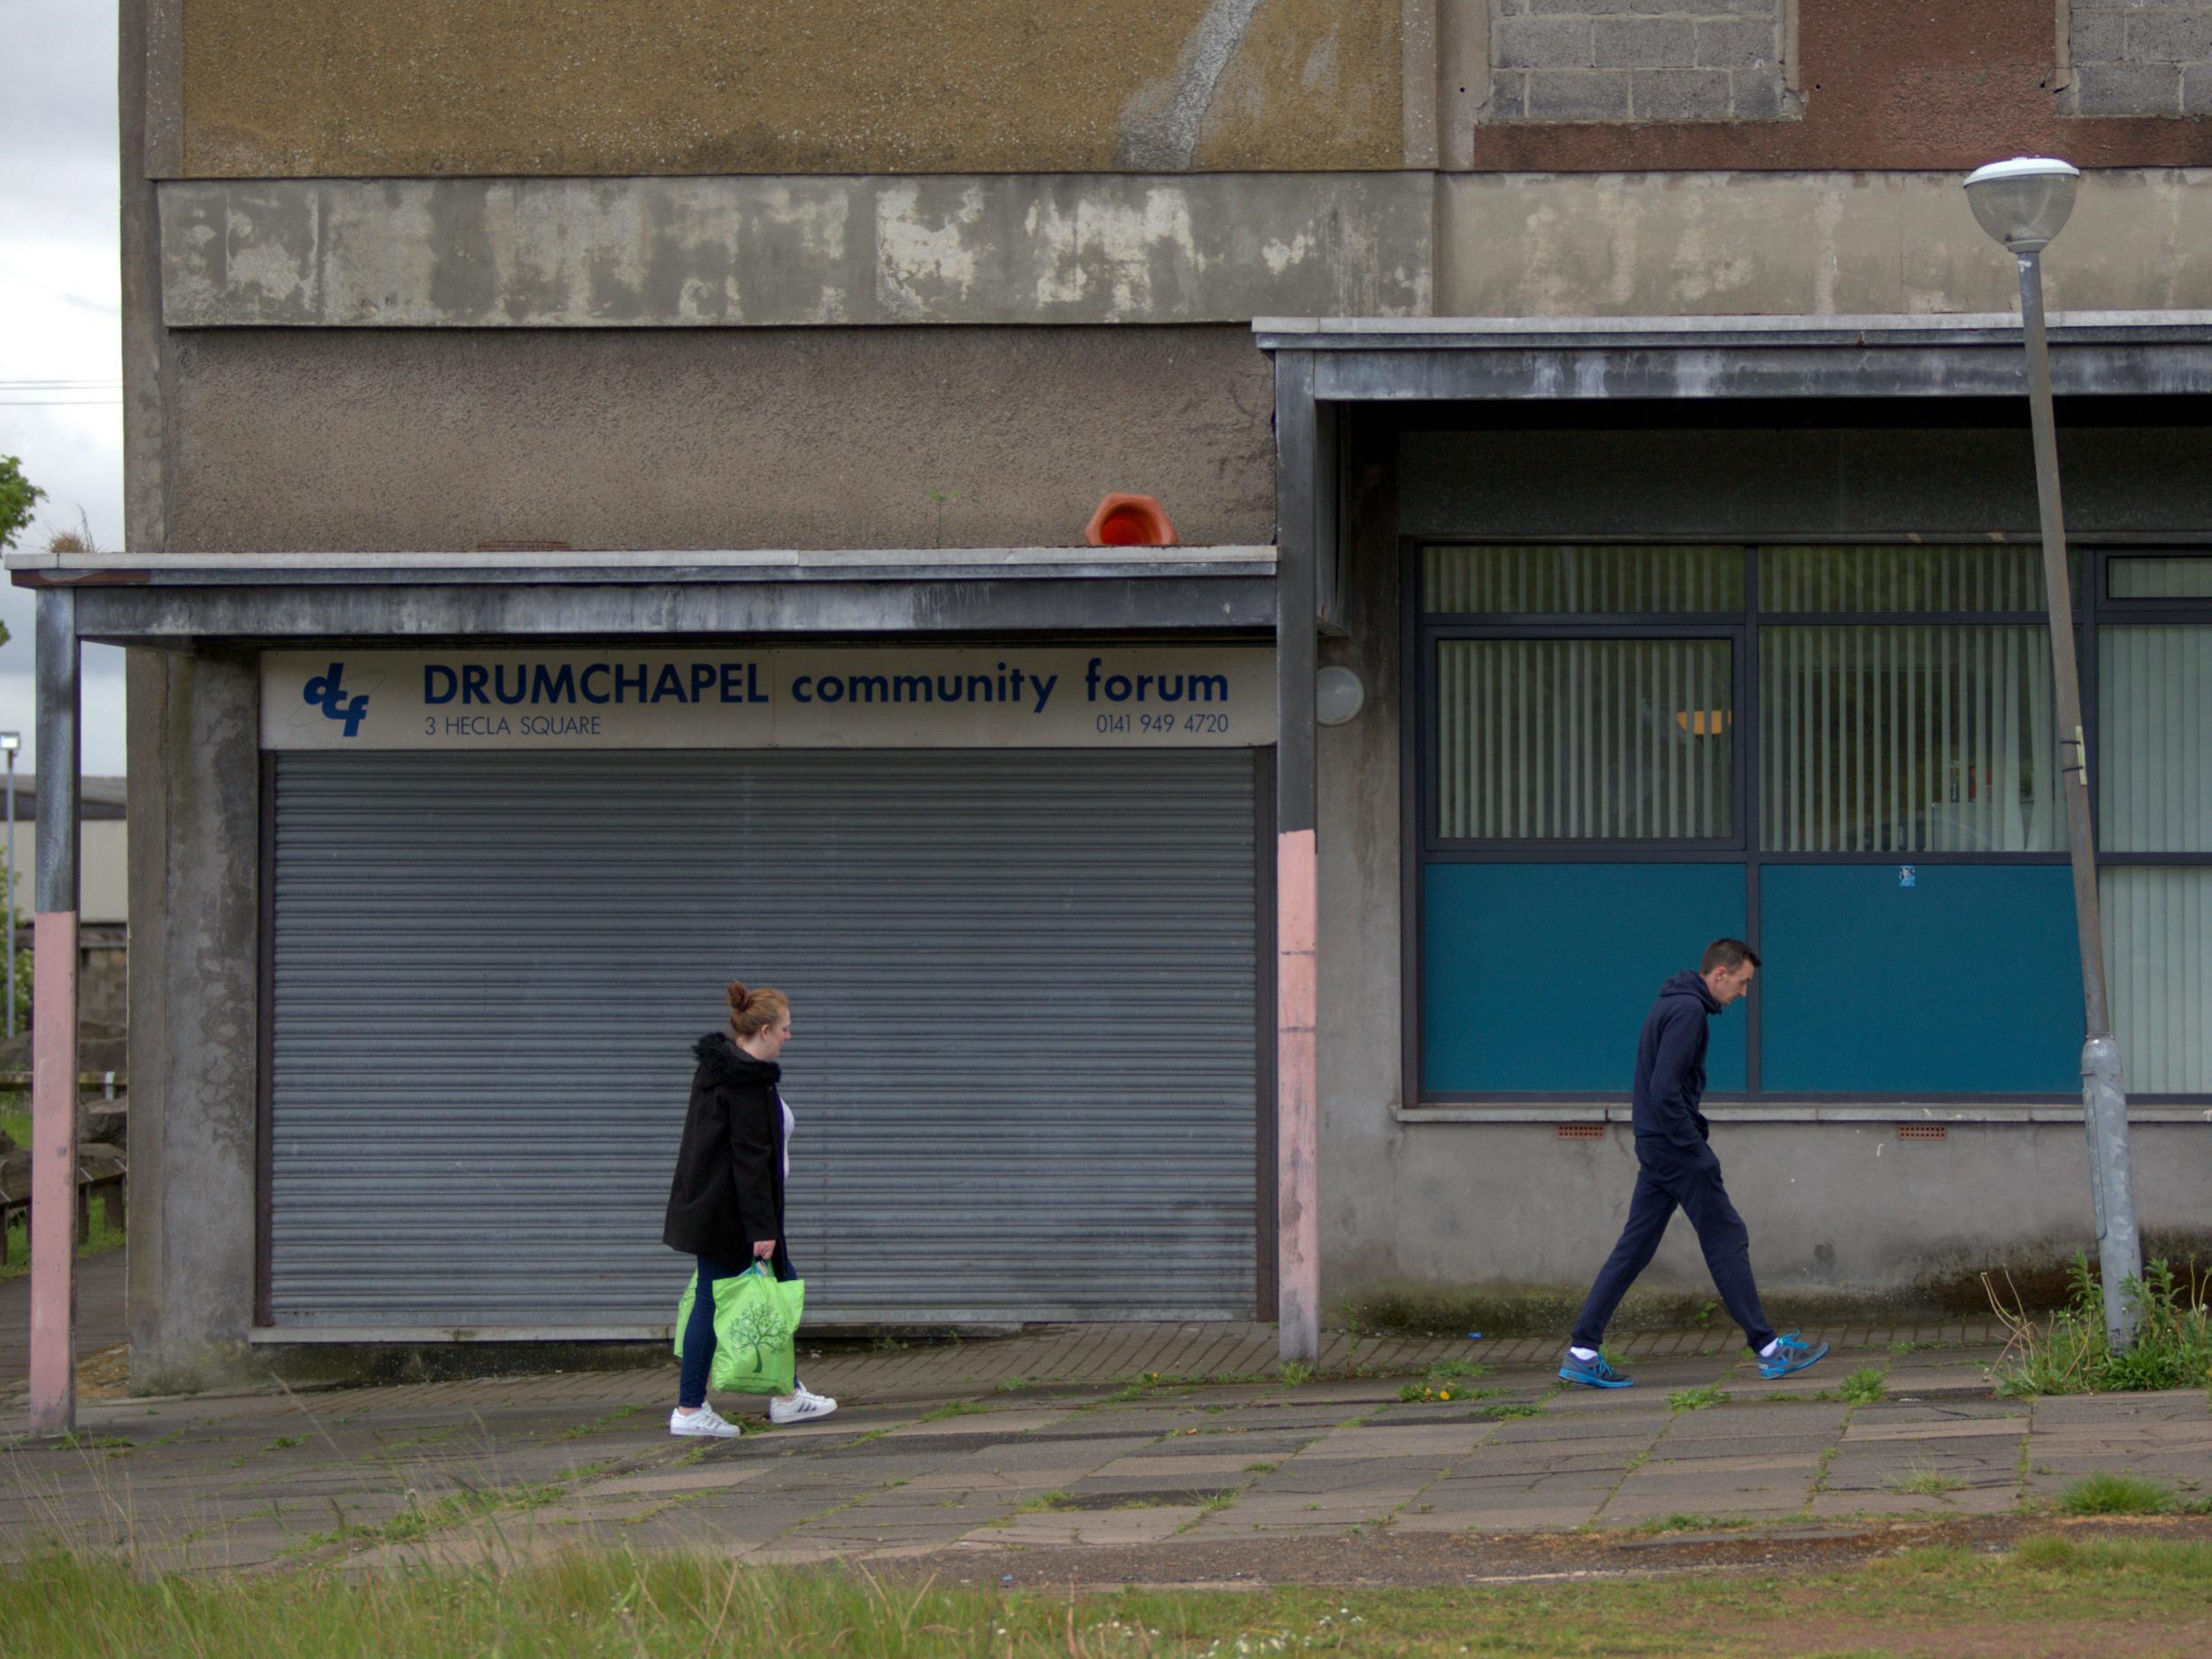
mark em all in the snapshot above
pixel 787 1121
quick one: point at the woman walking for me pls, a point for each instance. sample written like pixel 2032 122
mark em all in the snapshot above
pixel 725 1205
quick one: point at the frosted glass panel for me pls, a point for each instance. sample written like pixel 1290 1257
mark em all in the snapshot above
pixel 2158 953
pixel 1580 580
pixel 1906 740
pixel 2155 740
pixel 1582 739
pixel 1873 579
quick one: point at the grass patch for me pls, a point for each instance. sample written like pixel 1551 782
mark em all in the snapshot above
pixel 1505 1413
pixel 1261 1468
pixel 1925 1480
pixel 1864 1387
pixel 2052 1596
pixel 1698 1399
pixel 2069 1353
pixel 2116 1494
pixel 1012 1385
pixel 1295 1373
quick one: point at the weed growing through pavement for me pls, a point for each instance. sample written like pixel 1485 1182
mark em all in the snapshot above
pixel 1864 1387
pixel 1444 1380
pixel 1295 1373
pixel 1697 1399
pixel 1925 1480
pixel 2070 1355
pixel 578 1431
pixel 956 1409
pixel 1683 1522
pixel 2109 1493
pixel 1503 1413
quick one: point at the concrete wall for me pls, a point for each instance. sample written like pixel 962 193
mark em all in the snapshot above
pixel 1746 482
pixel 824 438
pixel 1654 244
pixel 704 254
pixel 1634 60
pixel 1833 1209
pixel 282 89
pixel 2140 59
pixel 194 815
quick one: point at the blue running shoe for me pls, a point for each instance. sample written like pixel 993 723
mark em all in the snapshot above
pixel 1593 1373
pixel 1791 1353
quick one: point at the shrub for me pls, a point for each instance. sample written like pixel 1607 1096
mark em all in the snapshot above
pixel 2070 1354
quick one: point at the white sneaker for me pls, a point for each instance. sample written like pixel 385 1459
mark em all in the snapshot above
pixel 706 1422
pixel 801 1407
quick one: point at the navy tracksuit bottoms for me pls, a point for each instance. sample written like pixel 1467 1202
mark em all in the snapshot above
pixel 1663 1185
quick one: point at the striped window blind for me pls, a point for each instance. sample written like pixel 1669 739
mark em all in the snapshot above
pixel 2142 578
pixel 2155 738
pixel 1580 580
pixel 2158 957
pixel 1867 580
pixel 1906 739
pixel 1585 739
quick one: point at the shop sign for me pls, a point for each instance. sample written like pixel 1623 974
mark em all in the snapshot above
pixel 1007 696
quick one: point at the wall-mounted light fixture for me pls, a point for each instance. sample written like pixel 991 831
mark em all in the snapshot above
pixel 1338 695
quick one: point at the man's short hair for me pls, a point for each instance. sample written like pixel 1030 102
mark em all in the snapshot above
pixel 1728 953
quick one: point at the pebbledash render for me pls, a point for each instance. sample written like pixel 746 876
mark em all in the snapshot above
pixel 1620 401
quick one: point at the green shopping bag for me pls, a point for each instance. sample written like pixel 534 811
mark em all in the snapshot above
pixel 755 1327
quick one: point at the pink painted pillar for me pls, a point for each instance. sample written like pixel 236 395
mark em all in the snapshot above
pixel 54 1024
pixel 54 1173
pixel 1305 516
pixel 1297 1098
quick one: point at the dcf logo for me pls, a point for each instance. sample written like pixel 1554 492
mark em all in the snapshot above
pixel 327 691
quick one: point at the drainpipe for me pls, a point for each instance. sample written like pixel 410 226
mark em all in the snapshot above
pixel 54 1024
pixel 1299 501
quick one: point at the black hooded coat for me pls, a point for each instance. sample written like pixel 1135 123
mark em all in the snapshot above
pixel 728 1187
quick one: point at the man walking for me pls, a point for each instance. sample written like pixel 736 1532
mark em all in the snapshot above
pixel 1676 1169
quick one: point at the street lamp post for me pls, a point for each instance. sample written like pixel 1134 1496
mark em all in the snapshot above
pixel 11 742
pixel 2024 203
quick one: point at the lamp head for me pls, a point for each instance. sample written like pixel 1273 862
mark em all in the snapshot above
pixel 10 742
pixel 2025 201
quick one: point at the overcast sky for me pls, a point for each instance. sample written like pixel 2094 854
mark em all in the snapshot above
pixel 60 357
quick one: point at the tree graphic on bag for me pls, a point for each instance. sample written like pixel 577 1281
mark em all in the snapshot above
pixel 756 1330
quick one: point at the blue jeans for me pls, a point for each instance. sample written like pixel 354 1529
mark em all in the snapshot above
pixel 691 1389
pixel 1664 1186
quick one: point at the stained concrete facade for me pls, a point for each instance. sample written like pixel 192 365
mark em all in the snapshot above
pixel 423 280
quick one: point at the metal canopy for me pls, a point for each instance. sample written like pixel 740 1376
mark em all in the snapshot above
pixel 182 599
pixel 1402 360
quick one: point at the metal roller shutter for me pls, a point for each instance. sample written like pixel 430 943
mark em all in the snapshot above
pixel 1024 1062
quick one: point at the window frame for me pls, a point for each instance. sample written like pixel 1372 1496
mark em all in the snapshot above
pixel 1420 844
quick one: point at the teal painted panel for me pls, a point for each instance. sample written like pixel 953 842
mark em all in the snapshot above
pixel 1537 978
pixel 1967 981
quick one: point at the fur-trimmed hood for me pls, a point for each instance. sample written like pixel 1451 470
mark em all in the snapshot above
pixel 721 1061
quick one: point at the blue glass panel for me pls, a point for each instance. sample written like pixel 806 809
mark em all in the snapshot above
pixel 1947 978
pixel 1537 978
